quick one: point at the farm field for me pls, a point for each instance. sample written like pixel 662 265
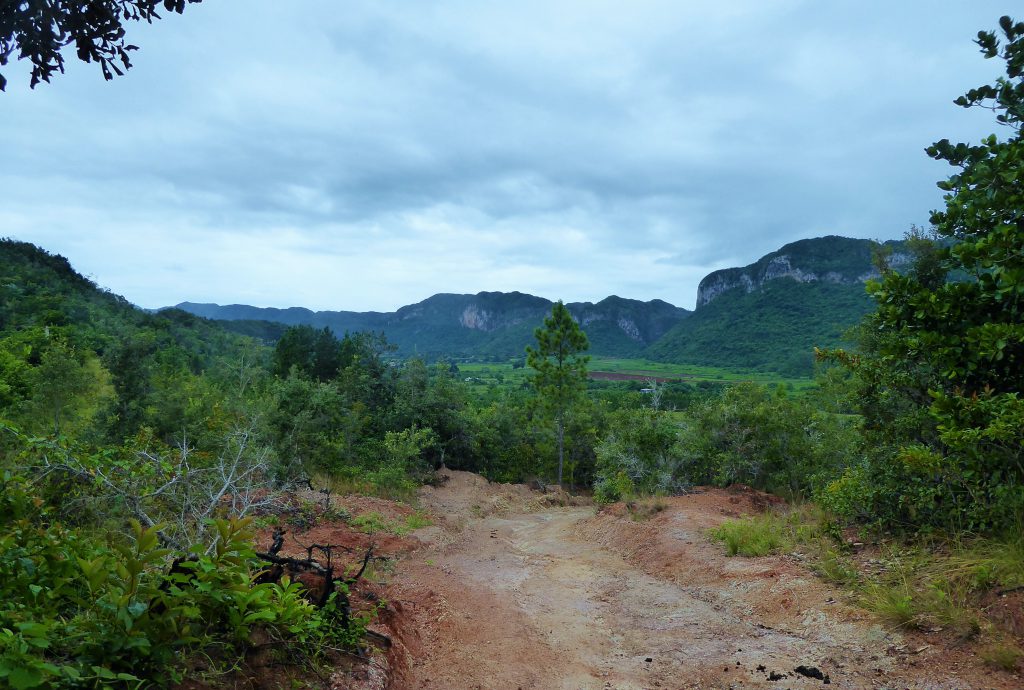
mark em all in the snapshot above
pixel 504 373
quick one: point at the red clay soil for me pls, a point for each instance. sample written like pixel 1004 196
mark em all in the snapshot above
pixel 263 669
pixel 511 590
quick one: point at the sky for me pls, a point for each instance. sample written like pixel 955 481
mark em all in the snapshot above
pixel 363 155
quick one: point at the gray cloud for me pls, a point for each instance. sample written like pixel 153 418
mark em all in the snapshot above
pixel 300 154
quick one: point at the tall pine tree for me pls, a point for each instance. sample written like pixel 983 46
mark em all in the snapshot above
pixel 560 370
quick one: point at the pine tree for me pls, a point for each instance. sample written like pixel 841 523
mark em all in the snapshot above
pixel 560 369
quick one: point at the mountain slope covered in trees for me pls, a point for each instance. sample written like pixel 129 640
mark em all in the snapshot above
pixel 488 325
pixel 771 314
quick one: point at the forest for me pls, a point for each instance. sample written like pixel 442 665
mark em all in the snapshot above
pixel 141 451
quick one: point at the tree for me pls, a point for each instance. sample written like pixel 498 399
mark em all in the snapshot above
pixel 316 354
pixel 63 387
pixel 560 370
pixel 942 362
pixel 39 31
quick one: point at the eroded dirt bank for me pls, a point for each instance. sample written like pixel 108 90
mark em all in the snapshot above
pixel 511 592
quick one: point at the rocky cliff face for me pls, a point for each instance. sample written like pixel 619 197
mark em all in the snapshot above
pixel 475 317
pixel 832 259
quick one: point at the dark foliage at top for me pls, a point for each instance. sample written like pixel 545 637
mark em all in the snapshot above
pixel 39 31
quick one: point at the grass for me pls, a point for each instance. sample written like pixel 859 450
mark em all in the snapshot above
pixel 946 580
pixel 913 588
pixel 373 521
pixel 760 535
pixel 645 509
pixel 927 586
pixel 833 566
pixel 989 563
pixel 644 367
pixel 340 485
pixel 417 520
pixel 393 488
pixel 753 537
pixel 894 603
pixel 1002 655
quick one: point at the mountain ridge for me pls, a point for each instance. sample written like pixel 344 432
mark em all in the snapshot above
pixel 496 324
pixel 767 315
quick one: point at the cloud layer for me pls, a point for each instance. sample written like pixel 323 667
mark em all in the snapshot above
pixel 366 155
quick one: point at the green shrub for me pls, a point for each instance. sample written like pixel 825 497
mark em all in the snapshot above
pixel 764 438
pixel 76 611
pixel 617 487
pixel 640 456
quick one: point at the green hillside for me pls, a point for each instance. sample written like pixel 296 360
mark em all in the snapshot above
pixel 774 328
pixel 62 338
pixel 770 314
pixel 39 290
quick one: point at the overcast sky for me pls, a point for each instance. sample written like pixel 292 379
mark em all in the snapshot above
pixel 364 155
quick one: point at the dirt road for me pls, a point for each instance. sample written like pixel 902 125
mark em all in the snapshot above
pixel 512 594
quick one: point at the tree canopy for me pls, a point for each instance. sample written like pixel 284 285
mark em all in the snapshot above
pixel 942 363
pixel 39 31
pixel 561 368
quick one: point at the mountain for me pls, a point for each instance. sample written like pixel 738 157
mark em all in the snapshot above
pixel 771 314
pixel 487 325
pixel 832 259
pixel 768 315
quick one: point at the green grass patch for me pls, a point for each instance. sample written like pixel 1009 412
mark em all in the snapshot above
pixel 694 372
pixel 645 509
pixel 988 563
pixel 831 564
pixel 931 585
pixel 417 520
pixel 373 522
pixel 754 536
pixel 1002 655
pixel 760 535
pixel 896 604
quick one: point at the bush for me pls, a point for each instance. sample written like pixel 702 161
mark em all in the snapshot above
pixel 764 438
pixel 618 487
pixel 640 456
pixel 77 611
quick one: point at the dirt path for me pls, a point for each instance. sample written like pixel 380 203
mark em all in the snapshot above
pixel 559 598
